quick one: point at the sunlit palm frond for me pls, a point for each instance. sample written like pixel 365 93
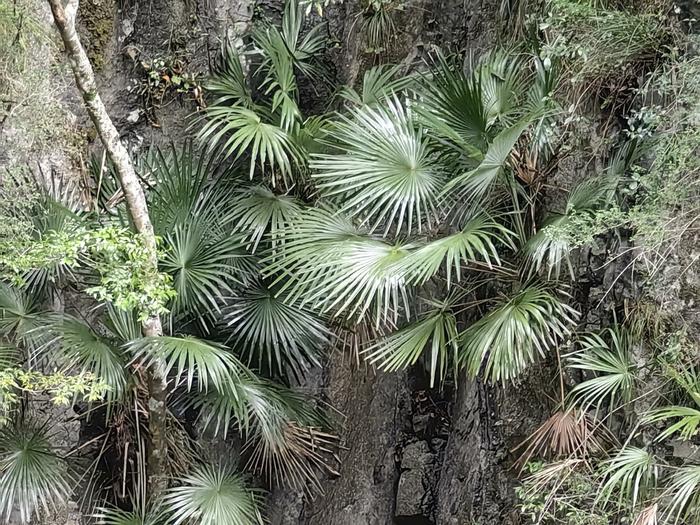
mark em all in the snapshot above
pixel 238 131
pixel 32 476
pixel 273 333
pixel 608 355
pixel 384 171
pixel 257 211
pixel 213 496
pixel 9 357
pixel 329 266
pixel 229 83
pixel 378 84
pixel 477 241
pixel 548 249
pixel 436 330
pixel 504 79
pixel 631 474
pixel 683 495
pixel 510 337
pixel 686 425
pixel 303 47
pixel 189 358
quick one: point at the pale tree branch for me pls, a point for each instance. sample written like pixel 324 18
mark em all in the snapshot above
pixel 65 17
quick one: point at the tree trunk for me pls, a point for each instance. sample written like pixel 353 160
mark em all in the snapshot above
pixel 136 203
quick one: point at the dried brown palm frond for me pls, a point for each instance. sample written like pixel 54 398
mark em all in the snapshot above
pixel 553 474
pixel 566 434
pixel 354 340
pixel 298 458
pixel 648 515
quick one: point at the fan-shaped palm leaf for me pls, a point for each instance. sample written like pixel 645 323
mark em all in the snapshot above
pixel 405 347
pixel 80 347
pixel 280 425
pixel 683 493
pixel 229 81
pixel 378 84
pixel 329 265
pixel 475 184
pixel 273 332
pixel 212 364
pixel 115 516
pixel 503 77
pixel 631 474
pixel 9 357
pixel 305 48
pixel 32 477
pixel 385 171
pixel 21 317
pixel 686 426
pixel 509 337
pixel 257 211
pixel 452 105
pixel 213 496
pixel 612 362
pixel 476 241
pixel 240 131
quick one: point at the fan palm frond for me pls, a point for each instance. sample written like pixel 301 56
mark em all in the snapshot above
pixel 212 364
pixel 687 422
pixel 379 83
pixel 32 476
pixel 329 266
pixel 453 106
pixel 273 332
pixel 281 426
pixel 229 83
pixel 613 363
pixel 304 48
pixel 503 78
pixel 568 433
pixel 405 347
pixel 116 516
pixel 683 494
pixel 649 515
pixel 547 250
pixel 9 357
pixel 509 337
pixel 476 241
pixel 82 348
pixel 475 184
pixel 631 474
pixel 238 131
pixel 385 171
pixel 257 211
pixel 21 317
pixel 212 496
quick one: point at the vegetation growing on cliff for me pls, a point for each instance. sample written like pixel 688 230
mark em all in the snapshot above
pixel 408 222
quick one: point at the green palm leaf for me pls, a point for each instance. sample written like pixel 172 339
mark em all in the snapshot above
pixel 115 516
pixel 329 266
pixel 32 477
pixel 378 84
pixel 612 362
pixel 509 337
pixel 257 211
pixel 683 493
pixel 405 347
pixel 21 317
pixel 687 421
pixel 239 130
pixel 213 496
pixel 80 347
pixel 273 332
pixel 188 357
pixel 475 184
pixel 631 474
pixel 385 171
pixel 476 241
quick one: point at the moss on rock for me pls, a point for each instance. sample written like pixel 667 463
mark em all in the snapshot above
pixel 97 20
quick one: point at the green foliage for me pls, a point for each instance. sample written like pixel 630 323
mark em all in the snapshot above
pixel 510 336
pixel 607 354
pixel 33 478
pixel 632 474
pixel 213 495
